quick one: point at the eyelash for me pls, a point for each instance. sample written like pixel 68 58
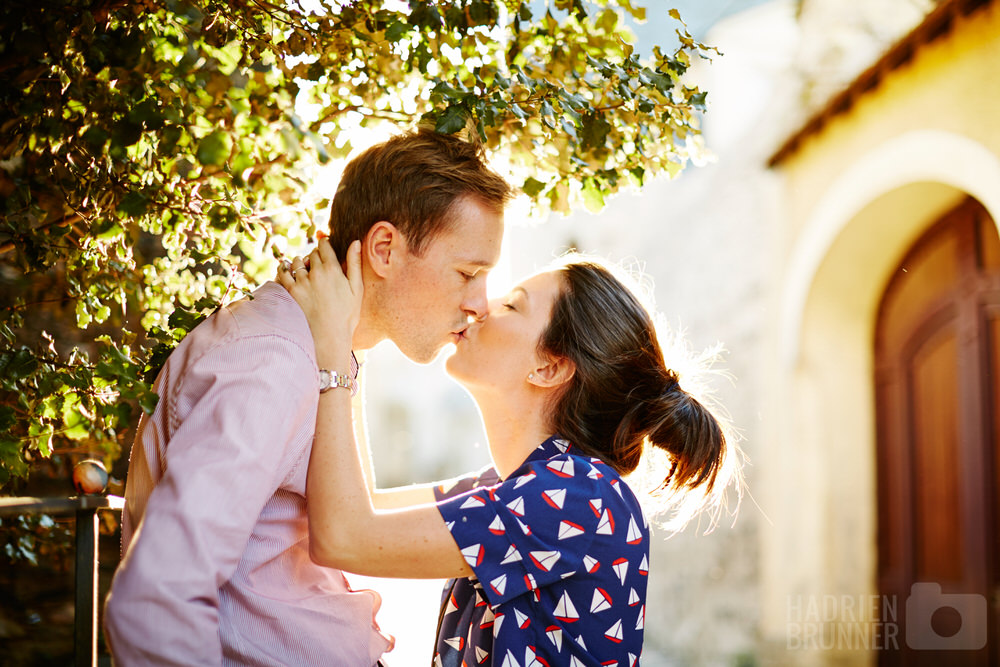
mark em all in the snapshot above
pixel 508 306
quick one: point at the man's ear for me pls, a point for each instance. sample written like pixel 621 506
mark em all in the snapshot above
pixel 379 246
pixel 552 372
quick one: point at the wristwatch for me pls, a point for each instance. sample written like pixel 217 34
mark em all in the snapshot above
pixel 330 379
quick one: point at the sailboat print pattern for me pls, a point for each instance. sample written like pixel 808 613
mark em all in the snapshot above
pixel 560 552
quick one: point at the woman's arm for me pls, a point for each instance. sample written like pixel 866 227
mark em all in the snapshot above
pixel 395 498
pixel 401 497
pixel 345 530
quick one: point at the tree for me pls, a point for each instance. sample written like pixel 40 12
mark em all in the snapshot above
pixel 153 155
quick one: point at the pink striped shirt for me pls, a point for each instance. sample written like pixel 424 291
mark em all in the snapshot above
pixel 215 541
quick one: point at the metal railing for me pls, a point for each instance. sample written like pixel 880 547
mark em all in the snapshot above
pixel 86 604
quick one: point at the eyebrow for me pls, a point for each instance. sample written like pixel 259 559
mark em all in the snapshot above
pixel 477 262
pixel 522 291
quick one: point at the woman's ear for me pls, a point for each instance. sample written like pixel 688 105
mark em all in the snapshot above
pixel 379 245
pixel 553 372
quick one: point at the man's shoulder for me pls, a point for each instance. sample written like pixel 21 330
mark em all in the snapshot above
pixel 268 317
pixel 270 309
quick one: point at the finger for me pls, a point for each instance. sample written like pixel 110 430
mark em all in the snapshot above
pixel 326 251
pixel 315 260
pixel 285 277
pixel 283 266
pixel 354 267
pixel 297 269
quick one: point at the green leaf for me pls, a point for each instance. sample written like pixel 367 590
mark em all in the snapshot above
pixel 638 175
pixel 451 121
pixel 51 407
pixel 76 427
pixel 42 434
pixel 396 31
pixel 134 204
pixel 214 149
pixel 19 365
pixel 593 196
pixel 95 137
pixel 532 187
pixel 185 319
pixel 7 418
pixel 82 314
pixel 148 401
pixel 698 101
pixel 595 131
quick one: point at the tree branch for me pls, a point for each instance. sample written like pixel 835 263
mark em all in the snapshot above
pixel 69 219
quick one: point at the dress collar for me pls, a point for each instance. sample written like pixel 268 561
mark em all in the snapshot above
pixel 554 446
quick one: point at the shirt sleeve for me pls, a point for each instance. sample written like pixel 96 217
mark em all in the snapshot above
pixel 486 477
pixel 530 531
pixel 247 407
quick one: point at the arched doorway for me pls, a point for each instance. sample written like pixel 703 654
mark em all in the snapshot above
pixel 937 370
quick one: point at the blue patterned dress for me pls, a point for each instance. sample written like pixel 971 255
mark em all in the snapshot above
pixel 560 552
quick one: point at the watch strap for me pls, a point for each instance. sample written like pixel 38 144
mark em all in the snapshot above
pixel 331 379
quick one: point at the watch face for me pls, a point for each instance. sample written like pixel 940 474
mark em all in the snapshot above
pixel 324 379
pixel 330 379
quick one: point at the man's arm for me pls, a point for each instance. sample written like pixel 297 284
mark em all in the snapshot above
pixel 245 408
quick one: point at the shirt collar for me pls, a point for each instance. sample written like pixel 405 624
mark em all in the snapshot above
pixel 554 446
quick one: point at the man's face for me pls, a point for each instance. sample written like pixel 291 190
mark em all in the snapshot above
pixel 433 296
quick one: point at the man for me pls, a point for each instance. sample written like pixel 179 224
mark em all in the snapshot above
pixel 216 567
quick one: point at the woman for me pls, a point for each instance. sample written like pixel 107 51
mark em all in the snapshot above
pixel 548 557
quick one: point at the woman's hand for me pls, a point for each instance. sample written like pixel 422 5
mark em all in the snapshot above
pixel 330 300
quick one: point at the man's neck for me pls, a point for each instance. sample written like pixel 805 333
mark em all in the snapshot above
pixel 365 338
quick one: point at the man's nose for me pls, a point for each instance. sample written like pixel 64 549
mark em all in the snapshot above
pixel 476 305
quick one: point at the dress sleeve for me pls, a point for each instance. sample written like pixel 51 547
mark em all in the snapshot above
pixel 530 531
pixel 486 477
pixel 244 421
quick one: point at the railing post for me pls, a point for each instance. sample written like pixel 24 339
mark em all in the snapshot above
pixel 85 622
pixel 85 508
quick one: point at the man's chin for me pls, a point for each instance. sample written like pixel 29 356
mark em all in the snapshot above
pixel 426 355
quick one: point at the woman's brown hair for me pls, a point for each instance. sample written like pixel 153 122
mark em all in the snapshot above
pixel 622 394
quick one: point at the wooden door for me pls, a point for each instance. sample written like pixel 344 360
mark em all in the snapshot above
pixel 937 357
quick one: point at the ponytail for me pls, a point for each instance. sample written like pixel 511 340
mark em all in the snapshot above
pixel 684 428
pixel 624 401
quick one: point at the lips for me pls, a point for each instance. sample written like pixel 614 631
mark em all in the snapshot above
pixel 462 333
pixel 458 336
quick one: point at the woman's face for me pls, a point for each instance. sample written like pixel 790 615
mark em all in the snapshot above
pixel 501 351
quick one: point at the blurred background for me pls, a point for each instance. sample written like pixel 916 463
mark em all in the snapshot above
pixel 841 244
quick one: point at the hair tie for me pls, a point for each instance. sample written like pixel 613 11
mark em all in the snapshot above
pixel 671 385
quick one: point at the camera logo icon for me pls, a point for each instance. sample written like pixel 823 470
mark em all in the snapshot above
pixel 927 606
